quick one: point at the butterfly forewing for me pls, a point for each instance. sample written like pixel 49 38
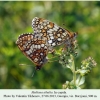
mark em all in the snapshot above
pixel 33 48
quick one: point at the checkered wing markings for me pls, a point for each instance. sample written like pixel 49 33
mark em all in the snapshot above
pixel 54 34
pixel 33 48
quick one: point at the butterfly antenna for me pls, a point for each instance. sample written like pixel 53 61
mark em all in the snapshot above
pixel 25 65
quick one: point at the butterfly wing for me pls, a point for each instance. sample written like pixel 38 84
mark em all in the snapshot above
pixel 33 48
pixel 54 34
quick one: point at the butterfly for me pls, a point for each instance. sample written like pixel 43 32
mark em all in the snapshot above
pixel 34 49
pixel 52 33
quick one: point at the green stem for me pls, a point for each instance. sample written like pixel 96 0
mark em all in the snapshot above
pixel 73 70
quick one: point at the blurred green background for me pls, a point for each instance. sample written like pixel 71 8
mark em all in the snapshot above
pixel 15 19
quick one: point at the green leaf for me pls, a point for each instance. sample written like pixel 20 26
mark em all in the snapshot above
pixel 80 80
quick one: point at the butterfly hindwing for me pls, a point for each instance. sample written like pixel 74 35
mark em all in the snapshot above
pixel 54 34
